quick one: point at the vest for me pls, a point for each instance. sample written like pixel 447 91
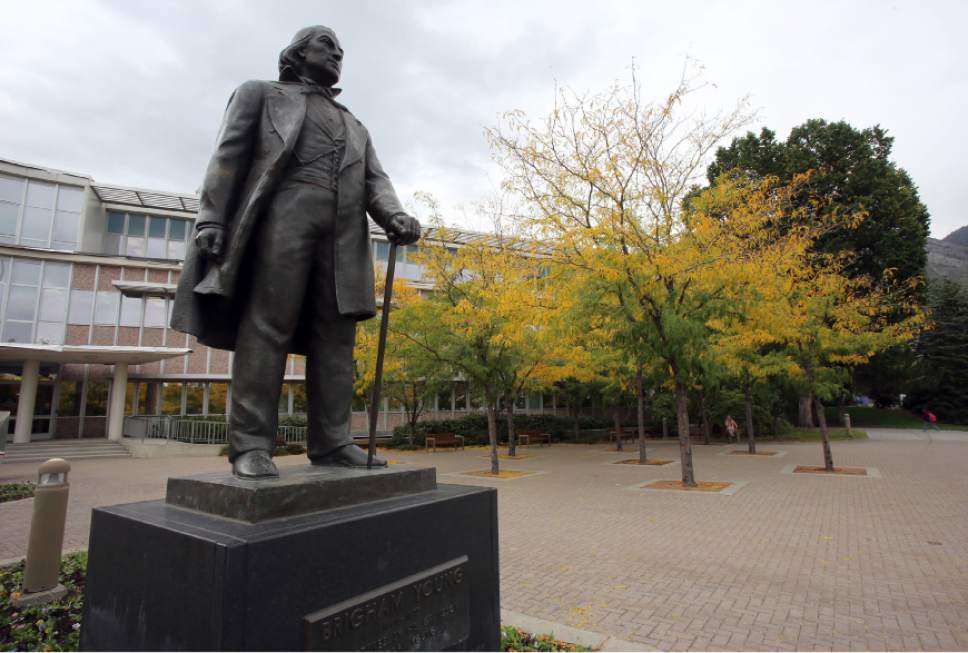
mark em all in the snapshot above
pixel 319 150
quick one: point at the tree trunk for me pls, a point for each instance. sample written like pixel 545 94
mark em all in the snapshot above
pixel 640 414
pixel 665 428
pixel 805 413
pixel 685 446
pixel 492 434
pixel 828 458
pixel 617 420
pixel 748 401
pixel 707 427
pixel 512 436
pixel 574 413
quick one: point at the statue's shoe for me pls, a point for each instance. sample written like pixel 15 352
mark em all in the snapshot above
pixel 348 456
pixel 254 464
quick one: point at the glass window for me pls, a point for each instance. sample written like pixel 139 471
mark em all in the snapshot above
pixel 8 218
pixel 476 400
pixel 284 399
pixel 171 398
pixel 194 392
pixel 57 275
pixel 136 225
pixel 69 399
pixel 382 250
pixel 156 238
pixel 136 246
pixel 11 189
pixel 26 272
pixel 130 311
pixel 50 333
pixel 155 312
pixel 134 391
pixel 443 400
pixel 106 307
pixel 40 194
pixel 217 393
pixel 36 227
pixel 298 397
pixel 53 304
pixel 70 198
pixel 156 227
pixel 460 395
pixel 176 249
pixel 65 229
pixel 21 303
pixel 80 312
pixel 177 229
pixel 17 331
pixel 115 223
pixel 97 398
pixel 520 401
pixel 534 402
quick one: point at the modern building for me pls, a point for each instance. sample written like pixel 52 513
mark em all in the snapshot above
pixel 87 278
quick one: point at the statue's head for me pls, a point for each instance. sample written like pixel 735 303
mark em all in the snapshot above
pixel 315 53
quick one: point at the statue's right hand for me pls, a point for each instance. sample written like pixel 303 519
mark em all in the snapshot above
pixel 210 240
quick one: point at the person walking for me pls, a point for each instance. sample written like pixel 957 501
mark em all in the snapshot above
pixel 731 429
pixel 930 420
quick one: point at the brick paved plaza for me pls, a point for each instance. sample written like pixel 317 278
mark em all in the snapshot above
pixel 787 562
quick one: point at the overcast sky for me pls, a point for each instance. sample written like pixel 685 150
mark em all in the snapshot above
pixel 131 92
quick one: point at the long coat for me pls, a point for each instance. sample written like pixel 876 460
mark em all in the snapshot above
pixel 262 122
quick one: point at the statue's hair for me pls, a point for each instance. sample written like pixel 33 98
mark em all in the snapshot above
pixel 290 59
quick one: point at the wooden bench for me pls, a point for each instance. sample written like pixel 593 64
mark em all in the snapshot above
pixel 434 440
pixel 627 434
pixel 534 437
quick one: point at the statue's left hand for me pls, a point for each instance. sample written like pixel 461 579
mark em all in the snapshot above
pixel 403 229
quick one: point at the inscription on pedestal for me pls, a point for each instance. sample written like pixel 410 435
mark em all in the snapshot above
pixel 427 611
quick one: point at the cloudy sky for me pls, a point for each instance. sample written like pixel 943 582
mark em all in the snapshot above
pixel 131 92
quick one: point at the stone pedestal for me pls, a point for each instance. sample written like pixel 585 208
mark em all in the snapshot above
pixel 392 562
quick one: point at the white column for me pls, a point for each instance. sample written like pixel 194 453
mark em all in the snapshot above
pixel 116 408
pixel 26 401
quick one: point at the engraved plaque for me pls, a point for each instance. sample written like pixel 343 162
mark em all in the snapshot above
pixel 427 611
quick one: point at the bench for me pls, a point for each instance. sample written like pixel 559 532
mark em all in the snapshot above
pixel 630 433
pixel 534 437
pixel 434 440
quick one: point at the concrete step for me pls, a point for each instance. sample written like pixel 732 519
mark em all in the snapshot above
pixel 37 452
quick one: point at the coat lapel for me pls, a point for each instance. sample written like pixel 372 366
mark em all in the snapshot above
pixel 287 110
pixel 355 139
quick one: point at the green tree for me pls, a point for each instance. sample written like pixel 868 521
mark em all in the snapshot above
pixel 943 355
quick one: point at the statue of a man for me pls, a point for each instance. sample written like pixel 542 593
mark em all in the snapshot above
pixel 281 259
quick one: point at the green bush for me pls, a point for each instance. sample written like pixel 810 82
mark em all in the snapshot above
pixel 513 639
pixel 473 427
pixel 15 491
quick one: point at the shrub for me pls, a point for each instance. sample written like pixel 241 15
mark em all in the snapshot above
pixel 15 491
pixel 473 427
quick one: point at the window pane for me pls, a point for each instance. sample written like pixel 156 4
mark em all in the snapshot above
pixel 53 304
pixel 299 397
pixel 106 307
pixel 177 229
pixel 115 222
pixel 69 399
pixel 136 247
pixel 382 250
pixel 193 398
pixel 20 305
pixel 17 331
pixel 56 275
pixel 130 311
pixel 176 249
pixel 156 247
pixel 97 398
pixel 136 225
pixel 156 227
pixel 26 272
pixel 65 229
pixel 171 398
pixel 70 198
pixel 460 395
pixel 51 333
pixel 36 224
pixel 40 194
pixel 80 312
pixel 8 218
pixel 284 399
pixel 11 189
pixel 112 244
pixel 216 398
pixel 443 401
pixel 155 312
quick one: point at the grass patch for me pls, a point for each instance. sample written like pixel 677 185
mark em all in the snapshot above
pixel 514 639
pixel 813 435
pixel 701 486
pixel 52 627
pixel 15 491
pixel 888 418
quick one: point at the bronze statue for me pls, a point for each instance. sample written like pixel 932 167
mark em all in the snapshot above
pixel 281 257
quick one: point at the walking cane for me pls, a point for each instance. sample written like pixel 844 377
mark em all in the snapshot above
pixel 380 349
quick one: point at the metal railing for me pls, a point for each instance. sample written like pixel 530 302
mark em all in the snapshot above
pixel 179 429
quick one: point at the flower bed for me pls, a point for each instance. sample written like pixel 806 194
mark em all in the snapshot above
pixel 52 627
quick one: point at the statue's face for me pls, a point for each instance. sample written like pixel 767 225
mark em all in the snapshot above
pixel 323 58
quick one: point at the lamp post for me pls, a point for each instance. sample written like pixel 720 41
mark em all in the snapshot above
pixel 42 569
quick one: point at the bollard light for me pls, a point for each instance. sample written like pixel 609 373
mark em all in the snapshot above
pixel 42 568
pixel 847 424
